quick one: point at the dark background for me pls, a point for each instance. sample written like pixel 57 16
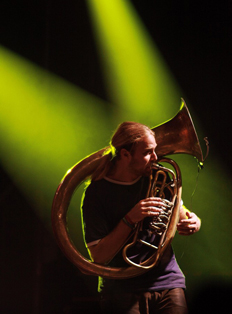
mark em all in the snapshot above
pixel 195 40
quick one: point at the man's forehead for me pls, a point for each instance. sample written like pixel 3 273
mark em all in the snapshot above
pixel 147 142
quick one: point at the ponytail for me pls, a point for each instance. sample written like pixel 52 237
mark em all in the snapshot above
pixel 105 165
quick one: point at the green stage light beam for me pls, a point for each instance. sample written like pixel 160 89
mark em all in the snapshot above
pixel 138 80
pixel 143 89
pixel 212 201
pixel 46 126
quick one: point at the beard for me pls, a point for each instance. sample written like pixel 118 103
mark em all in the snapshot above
pixel 147 171
pixel 139 170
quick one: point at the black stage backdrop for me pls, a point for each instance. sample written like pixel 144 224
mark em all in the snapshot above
pixel 195 40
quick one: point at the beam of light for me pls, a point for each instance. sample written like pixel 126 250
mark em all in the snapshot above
pixel 143 89
pixel 139 82
pixel 46 126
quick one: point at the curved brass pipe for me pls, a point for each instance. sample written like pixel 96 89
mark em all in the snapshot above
pixel 177 135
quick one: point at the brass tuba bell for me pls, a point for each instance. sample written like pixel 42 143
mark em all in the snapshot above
pixel 177 135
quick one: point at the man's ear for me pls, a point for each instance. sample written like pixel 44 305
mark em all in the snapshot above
pixel 125 154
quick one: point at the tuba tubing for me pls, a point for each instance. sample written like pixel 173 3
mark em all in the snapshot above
pixel 73 178
pixel 167 236
pixel 177 135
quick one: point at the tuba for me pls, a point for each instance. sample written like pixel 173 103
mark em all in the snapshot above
pixel 177 135
pixel 164 225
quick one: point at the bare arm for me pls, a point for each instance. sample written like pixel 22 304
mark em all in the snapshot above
pixel 107 248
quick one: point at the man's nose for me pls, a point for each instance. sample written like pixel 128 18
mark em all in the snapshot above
pixel 154 156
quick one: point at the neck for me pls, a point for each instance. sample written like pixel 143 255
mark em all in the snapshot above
pixel 121 173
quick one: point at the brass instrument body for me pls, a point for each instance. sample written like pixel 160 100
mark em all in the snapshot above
pixel 72 179
pixel 163 227
pixel 177 135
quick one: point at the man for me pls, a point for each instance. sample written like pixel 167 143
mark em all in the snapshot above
pixel 114 203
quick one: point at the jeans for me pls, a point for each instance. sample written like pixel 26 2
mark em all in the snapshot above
pixel 163 302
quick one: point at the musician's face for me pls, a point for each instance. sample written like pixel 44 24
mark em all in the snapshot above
pixel 143 156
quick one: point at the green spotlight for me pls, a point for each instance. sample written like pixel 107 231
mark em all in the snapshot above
pixel 46 126
pixel 138 79
pixel 144 90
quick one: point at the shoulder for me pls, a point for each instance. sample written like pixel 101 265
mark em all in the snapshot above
pixel 96 185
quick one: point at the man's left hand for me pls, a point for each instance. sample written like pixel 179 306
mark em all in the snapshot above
pixel 190 225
